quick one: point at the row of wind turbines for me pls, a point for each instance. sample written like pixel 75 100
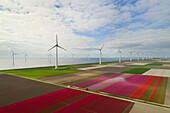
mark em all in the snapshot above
pixel 56 46
pixel 13 57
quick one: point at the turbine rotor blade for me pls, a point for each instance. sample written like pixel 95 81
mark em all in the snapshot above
pixel 56 40
pixel 101 52
pixel 102 47
pixel 61 48
pixel 12 51
pixel 95 49
pixel 52 47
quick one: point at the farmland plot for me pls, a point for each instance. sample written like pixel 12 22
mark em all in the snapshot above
pixel 148 88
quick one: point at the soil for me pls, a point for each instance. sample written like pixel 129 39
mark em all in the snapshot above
pixel 15 89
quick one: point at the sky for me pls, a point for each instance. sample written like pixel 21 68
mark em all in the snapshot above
pixel 30 26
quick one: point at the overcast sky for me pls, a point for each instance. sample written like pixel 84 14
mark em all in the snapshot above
pixel 132 25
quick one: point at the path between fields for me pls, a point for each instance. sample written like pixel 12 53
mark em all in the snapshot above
pixel 167 97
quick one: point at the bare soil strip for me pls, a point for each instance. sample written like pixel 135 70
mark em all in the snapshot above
pixel 75 78
pixel 15 89
pixel 142 64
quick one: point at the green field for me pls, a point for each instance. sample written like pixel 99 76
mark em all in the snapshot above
pixel 38 72
pixel 46 71
pixel 136 71
pixel 155 64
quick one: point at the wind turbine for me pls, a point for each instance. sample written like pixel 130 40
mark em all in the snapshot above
pixel 25 57
pixel 72 57
pixel 114 55
pixel 13 56
pixel 100 50
pixel 56 46
pixel 130 52
pixel 143 56
pixel 49 57
pixel 119 55
pixel 138 57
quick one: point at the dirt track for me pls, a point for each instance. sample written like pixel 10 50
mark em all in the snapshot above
pixel 112 69
pixel 167 97
pixel 15 89
pixel 146 108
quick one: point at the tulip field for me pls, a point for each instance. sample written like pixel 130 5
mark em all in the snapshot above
pixel 148 88
pixel 67 101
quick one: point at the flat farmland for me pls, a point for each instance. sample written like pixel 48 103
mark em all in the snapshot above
pixel 70 101
pixel 148 88
pixel 76 78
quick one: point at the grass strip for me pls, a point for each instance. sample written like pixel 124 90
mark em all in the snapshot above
pixel 154 64
pixel 39 72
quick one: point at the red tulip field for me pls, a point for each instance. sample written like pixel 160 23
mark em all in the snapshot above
pixel 149 88
pixel 69 100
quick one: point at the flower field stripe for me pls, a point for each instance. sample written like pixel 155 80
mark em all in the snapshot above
pixel 149 91
pixel 141 90
pixel 96 80
pixel 156 97
pixel 155 89
pixel 101 104
pixel 38 104
pixel 104 104
pixel 12 107
pixel 46 102
pixel 76 105
pixel 152 87
pixel 103 80
pixel 163 90
pixel 62 104
pixel 125 88
pixel 108 82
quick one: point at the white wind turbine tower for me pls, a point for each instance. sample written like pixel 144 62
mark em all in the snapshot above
pixel 130 52
pixel 100 50
pixel 56 46
pixel 143 56
pixel 138 56
pixel 119 55
pixel 13 56
pixel 49 57
pixel 114 55
pixel 73 55
pixel 25 57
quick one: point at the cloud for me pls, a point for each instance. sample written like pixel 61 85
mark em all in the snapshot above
pixel 37 27
pixel 132 24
